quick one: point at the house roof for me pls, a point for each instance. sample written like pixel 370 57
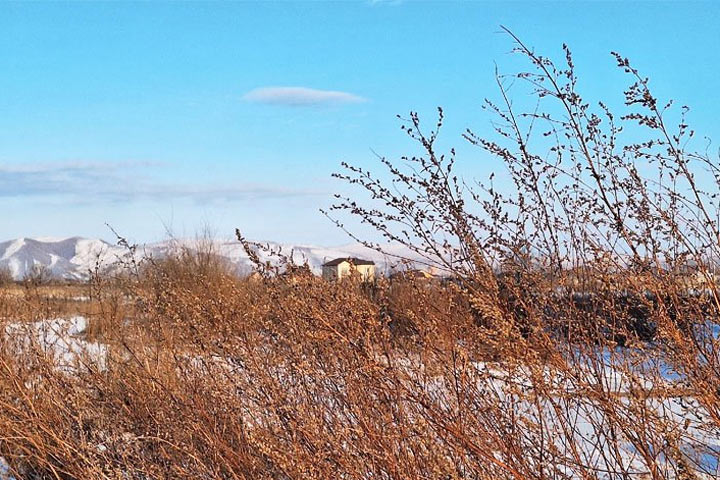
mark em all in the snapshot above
pixel 353 260
pixel 412 273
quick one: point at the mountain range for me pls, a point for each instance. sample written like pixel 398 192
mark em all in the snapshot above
pixel 75 257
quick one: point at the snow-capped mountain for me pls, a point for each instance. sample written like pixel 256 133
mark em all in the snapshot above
pixel 75 257
pixel 66 258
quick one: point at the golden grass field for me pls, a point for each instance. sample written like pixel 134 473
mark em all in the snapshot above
pixel 187 371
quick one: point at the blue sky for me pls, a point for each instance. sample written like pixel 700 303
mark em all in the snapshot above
pixel 159 116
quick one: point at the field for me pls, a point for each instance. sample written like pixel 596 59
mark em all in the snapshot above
pixel 187 371
pixel 573 331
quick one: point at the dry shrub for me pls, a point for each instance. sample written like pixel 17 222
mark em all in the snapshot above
pixel 294 377
pixel 6 277
pixel 574 337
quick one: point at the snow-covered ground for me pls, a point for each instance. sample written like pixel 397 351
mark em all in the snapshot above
pixel 60 338
pixel 564 407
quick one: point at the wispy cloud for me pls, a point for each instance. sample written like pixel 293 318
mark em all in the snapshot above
pixel 300 96
pixel 114 182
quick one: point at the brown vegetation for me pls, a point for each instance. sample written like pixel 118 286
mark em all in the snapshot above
pixel 567 341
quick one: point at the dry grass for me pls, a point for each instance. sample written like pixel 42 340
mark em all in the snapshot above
pixel 568 343
pixel 207 375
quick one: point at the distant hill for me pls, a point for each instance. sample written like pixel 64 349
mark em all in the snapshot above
pixel 73 258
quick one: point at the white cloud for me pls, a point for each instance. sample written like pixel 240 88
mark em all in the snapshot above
pixel 124 181
pixel 300 96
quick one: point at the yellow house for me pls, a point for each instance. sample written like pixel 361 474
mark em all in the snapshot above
pixel 344 267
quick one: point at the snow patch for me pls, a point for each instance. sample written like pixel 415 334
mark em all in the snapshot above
pixel 60 338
